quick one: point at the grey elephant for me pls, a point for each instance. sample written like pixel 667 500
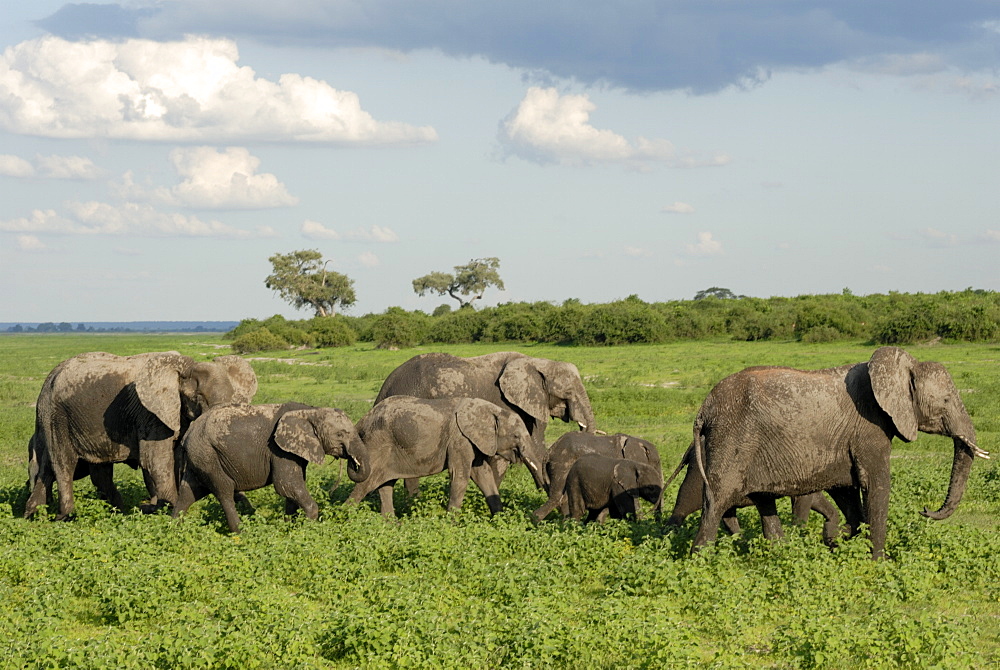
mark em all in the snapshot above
pixel 417 437
pixel 691 491
pixel 599 486
pixel 767 432
pixel 536 389
pixel 246 447
pixel 100 409
pixel 569 447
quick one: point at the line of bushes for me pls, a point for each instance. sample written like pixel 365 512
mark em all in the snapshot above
pixel 893 318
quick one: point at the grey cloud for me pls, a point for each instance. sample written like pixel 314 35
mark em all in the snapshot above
pixel 645 45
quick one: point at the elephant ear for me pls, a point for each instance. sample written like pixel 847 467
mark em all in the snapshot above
pixel 297 435
pixel 523 385
pixel 243 378
pixel 478 421
pixel 158 387
pixel 635 449
pixel 891 373
pixel 626 475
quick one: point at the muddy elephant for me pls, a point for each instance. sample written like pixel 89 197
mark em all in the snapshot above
pixel 767 432
pixel 599 486
pixel 99 409
pixel 536 389
pixel 245 447
pixel 417 437
pixel 691 491
pixel 569 447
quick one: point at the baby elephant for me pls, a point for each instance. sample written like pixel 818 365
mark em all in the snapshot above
pixel 569 447
pixel 246 447
pixel 412 437
pixel 602 486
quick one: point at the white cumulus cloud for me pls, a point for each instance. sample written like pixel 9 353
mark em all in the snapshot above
pixel 705 246
pixel 314 230
pixel 678 208
pixel 225 179
pixel 549 128
pixel 51 167
pixel 938 238
pixel 369 260
pixel 15 166
pixel 30 243
pixel 98 218
pixel 191 90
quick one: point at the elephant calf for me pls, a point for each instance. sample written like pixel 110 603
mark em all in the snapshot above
pixel 414 437
pixel 247 447
pixel 600 486
pixel 569 447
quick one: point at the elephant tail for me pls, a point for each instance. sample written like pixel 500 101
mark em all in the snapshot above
pixel 685 461
pixel 698 444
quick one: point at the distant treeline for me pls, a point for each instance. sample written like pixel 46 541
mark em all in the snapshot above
pixel 972 315
pixel 122 327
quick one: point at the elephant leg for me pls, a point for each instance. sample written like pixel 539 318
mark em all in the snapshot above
pixel 290 483
pixel 831 527
pixel 556 498
pixel 102 476
pixel 689 497
pixel 362 489
pixel 801 506
pixel 385 499
pixel 64 480
pixel 499 467
pixel 412 486
pixel 482 475
pixel 877 514
pixel 600 516
pixel 156 457
pixel 848 499
pixel 731 523
pixel 189 492
pixel 626 505
pixel 769 521
pixel 41 494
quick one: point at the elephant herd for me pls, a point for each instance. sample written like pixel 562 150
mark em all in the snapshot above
pixel 761 434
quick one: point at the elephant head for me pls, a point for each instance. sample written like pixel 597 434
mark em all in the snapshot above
pixel 496 431
pixel 314 433
pixel 643 451
pixel 922 397
pixel 544 388
pixel 637 480
pixel 175 387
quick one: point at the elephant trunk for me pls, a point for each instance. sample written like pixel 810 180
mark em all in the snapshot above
pixel 965 452
pixel 583 414
pixel 536 463
pixel 358 460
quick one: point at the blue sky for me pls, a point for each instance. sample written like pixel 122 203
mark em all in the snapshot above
pixel 154 154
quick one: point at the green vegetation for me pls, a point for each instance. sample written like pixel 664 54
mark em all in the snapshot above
pixel 470 591
pixel 896 318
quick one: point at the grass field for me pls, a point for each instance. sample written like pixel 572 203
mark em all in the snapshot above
pixel 470 591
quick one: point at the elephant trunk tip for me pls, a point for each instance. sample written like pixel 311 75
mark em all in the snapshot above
pixel 939 515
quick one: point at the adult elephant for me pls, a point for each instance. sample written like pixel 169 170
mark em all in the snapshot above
pixel 767 432
pixel 100 409
pixel 570 447
pixel 417 437
pixel 536 389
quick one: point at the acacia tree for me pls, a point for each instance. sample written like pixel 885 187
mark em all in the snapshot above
pixel 301 278
pixel 466 285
